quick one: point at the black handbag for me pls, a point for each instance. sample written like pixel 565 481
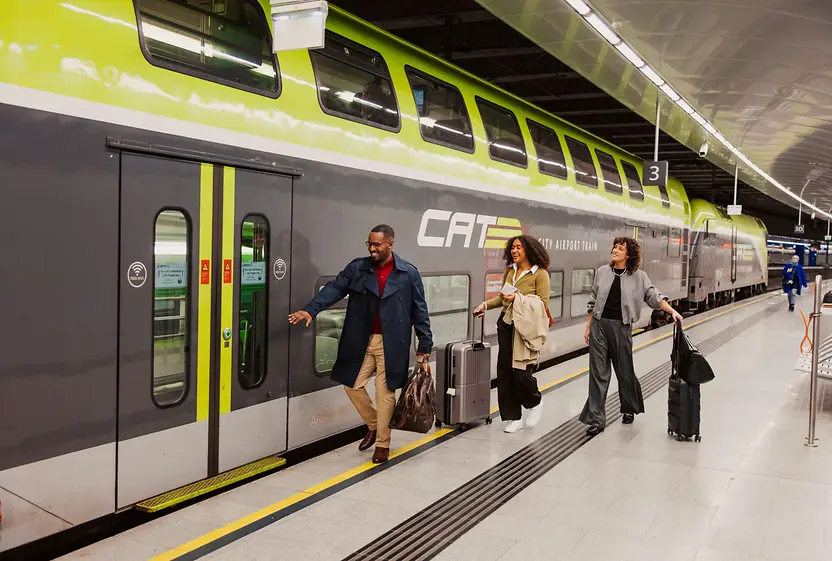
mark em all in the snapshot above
pixel 416 408
pixel 689 364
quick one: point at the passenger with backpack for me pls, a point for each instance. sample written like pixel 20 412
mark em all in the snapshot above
pixel 794 278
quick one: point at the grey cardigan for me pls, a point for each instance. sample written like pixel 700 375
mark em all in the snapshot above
pixel 635 289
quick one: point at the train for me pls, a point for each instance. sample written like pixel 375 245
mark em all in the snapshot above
pixel 172 190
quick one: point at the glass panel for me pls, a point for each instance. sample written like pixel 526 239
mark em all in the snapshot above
pixel 354 83
pixel 633 181
pixel 328 327
pixel 493 285
pixel 582 280
pixel 443 117
pixel 665 197
pixel 448 300
pixel 254 301
pixel 505 141
pixel 585 172
pixel 170 307
pixel 228 40
pixel 550 160
pixel 675 246
pixel 609 171
pixel 556 294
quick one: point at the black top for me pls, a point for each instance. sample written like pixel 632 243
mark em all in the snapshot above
pixel 612 309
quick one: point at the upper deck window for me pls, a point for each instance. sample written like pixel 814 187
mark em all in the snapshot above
pixel 505 141
pixel 609 171
pixel 550 160
pixel 443 117
pixel 585 172
pixel 227 41
pixel 633 181
pixel 354 83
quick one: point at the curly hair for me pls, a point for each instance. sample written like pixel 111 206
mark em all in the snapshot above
pixel 535 252
pixel 633 253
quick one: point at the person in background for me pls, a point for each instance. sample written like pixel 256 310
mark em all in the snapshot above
pixel 527 274
pixel 615 304
pixel 386 303
pixel 794 279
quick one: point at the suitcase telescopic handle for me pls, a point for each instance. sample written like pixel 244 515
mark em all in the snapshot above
pixel 481 344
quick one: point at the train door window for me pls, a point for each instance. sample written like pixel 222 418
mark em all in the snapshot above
pixel 354 83
pixel 328 327
pixel 585 172
pixel 493 285
pixel 226 41
pixel 254 301
pixel 674 248
pixel 550 160
pixel 664 239
pixel 665 196
pixel 505 141
pixel 633 181
pixel 582 280
pixel 556 294
pixel 448 299
pixel 171 355
pixel 609 172
pixel 443 117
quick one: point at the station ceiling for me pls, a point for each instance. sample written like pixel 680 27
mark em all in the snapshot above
pixel 713 53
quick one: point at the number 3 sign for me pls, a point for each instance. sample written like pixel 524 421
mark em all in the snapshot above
pixel 655 174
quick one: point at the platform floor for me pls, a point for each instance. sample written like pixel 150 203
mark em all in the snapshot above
pixel 750 490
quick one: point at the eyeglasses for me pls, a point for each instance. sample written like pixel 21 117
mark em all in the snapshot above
pixel 374 245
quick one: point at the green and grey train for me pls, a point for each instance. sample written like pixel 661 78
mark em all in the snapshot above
pixel 172 190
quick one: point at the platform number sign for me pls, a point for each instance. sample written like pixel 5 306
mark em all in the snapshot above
pixel 800 228
pixel 654 174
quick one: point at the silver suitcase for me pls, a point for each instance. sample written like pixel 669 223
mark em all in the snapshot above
pixel 463 378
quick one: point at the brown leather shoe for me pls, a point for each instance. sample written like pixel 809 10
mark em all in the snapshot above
pixel 381 455
pixel 369 440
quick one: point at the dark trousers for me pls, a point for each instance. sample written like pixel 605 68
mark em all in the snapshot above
pixel 515 387
pixel 611 343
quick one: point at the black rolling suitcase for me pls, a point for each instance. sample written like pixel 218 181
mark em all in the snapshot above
pixel 463 379
pixel 683 399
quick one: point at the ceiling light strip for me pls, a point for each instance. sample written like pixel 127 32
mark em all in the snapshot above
pixel 606 31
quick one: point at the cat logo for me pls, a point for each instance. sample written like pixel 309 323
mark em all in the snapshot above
pixel 458 227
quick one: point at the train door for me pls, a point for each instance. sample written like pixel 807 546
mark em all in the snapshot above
pixel 203 355
pixel 733 254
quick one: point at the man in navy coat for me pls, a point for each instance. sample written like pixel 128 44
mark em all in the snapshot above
pixel 386 303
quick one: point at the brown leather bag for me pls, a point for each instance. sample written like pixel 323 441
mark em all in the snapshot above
pixel 416 408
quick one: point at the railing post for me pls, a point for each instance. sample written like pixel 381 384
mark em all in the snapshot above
pixel 813 374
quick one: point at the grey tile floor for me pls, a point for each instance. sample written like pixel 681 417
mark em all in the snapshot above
pixel 749 491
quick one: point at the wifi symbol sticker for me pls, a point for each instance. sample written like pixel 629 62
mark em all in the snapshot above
pixel 137 274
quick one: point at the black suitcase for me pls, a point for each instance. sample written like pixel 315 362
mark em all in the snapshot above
pixel 683 403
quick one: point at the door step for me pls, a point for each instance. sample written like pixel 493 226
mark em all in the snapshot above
pixel 188 492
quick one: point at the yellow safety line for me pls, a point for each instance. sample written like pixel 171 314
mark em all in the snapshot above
pixel 206 228
pixel 315 489
pixel 227 311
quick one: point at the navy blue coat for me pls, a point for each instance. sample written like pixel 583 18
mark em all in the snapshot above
pixel 402 308
pixel 798 277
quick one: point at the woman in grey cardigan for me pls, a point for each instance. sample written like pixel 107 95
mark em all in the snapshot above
pixel 615 304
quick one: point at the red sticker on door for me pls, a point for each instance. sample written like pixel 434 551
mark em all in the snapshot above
pixel 205 272
pixel 226 271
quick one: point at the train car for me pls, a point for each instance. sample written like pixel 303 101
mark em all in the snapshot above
pixel 172 191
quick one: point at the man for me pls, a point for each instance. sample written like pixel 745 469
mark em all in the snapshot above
pixel 386 302
pixel 794 278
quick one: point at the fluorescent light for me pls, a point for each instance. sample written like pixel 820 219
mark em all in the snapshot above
pixel 709 127
pixel 652 74
pixel 698 118
pixel 579 6
pixel 603 29
pixel 669 92
pixel 630 54
pixel 685 106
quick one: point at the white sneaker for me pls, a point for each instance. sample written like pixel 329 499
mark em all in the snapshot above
pixel 513 426
pixel 534 415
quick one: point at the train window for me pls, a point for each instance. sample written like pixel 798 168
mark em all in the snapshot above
pixel 556 294
pixel 493 285
pixel 585 172
pixel 443 117
pixel 505 141
pixel 448 299
pixel 633 181
pixel 674 247
pixel 171 354
pixel 582 280
pixel 254 301
pixel 664 239
pixel 665 196
pixel 328 327
pixel 227 42
pixel 550 160
pixel 354 83
pixel 609 172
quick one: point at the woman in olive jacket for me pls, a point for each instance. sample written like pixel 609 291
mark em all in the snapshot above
pixel 618 292
pixel 527 273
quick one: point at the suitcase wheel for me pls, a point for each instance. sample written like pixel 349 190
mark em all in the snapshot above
pixel 438 424
pixel 670 431
pixel 488 420
pixel 698 438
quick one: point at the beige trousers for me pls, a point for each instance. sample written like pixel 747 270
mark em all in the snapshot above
pixel 386 399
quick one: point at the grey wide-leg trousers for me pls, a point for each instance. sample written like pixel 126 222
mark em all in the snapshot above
pixel 611 343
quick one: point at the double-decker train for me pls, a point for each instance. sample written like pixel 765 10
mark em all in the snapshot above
pixel 172 190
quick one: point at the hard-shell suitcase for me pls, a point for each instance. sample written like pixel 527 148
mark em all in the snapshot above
pixel 683 404
pixel 463 379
